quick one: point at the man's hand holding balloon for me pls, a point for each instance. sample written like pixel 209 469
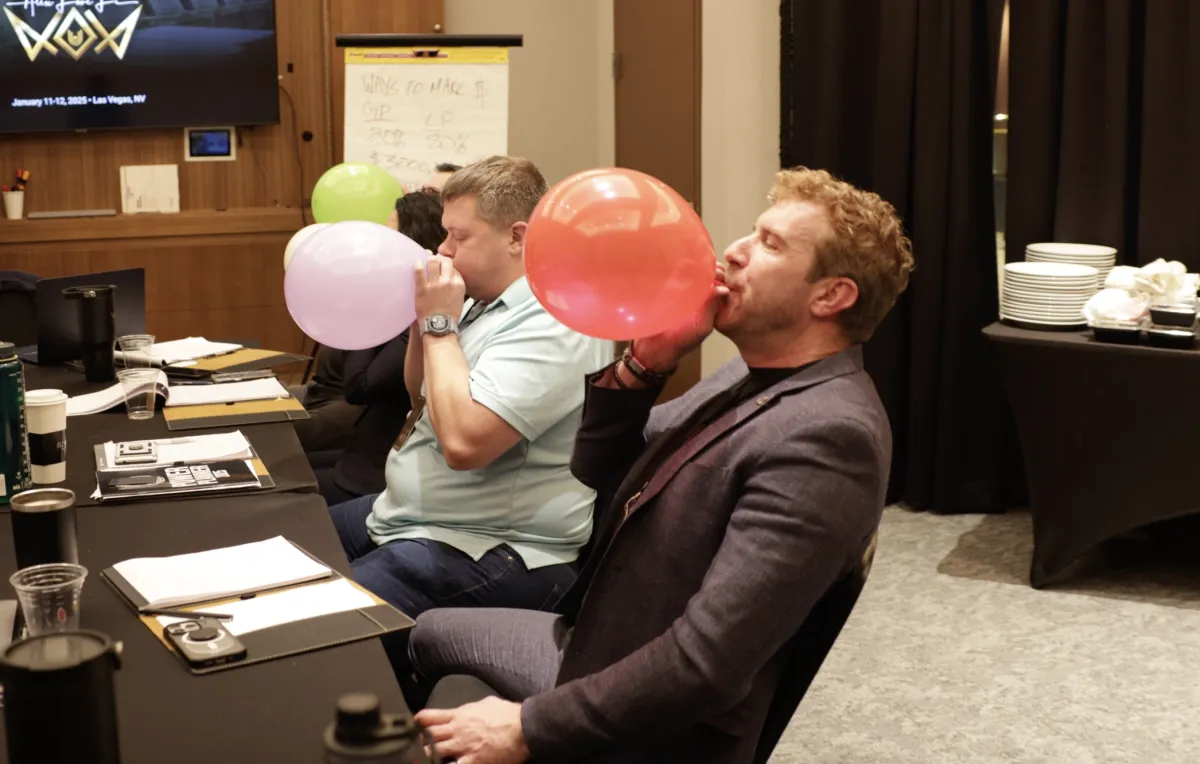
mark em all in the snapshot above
pixel 661 353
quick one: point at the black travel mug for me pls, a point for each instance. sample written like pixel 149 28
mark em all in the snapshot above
pixel 43 527
pixel 60 706
pixel 361 734
pixel 97 330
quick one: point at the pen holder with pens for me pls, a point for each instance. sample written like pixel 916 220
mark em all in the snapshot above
pixel 14 205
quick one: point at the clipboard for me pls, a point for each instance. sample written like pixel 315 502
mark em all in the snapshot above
pixel 284 640
pixel 246 359
pixel 233 414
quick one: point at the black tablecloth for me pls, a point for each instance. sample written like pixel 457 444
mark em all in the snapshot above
pixel 1110 436
pixel 268 712
pixel 276 444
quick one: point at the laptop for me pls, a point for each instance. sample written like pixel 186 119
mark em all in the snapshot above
pixel 58 334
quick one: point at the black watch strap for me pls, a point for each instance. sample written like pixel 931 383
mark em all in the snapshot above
pixel 643 375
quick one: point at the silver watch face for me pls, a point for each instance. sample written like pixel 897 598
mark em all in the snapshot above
pixel 438 323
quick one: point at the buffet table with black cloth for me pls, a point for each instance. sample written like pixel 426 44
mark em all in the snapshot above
pixel 1110 436
pixel 276 444
pixel 274 711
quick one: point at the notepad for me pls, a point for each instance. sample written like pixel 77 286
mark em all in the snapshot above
pixel 287 607
pixel 188 579
pixel 108 398
pixel 229 392
pixel 181 395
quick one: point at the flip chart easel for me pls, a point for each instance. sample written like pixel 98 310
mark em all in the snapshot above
pixel 416 101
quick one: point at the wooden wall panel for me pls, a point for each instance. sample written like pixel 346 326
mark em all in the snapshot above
pixel 373 16
pixel 214 286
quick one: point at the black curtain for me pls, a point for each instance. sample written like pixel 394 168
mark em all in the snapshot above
pixel 896 96
pixel 1104 118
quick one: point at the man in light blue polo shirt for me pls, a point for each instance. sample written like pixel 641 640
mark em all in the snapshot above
pixel 481 508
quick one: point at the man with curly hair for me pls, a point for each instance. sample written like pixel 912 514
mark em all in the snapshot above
pixel 731 511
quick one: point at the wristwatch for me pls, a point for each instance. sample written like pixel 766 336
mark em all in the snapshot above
pixel 641 373
pixel 439 325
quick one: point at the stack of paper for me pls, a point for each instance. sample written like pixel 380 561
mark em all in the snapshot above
pixel 192 450
pixel 108 398
pixel 220 573
pixel 229 392
pixel 176 351
pixel 287 607
pixel 182 395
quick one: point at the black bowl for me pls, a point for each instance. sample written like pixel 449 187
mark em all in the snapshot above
pixel 1173 315
pixel 1118 333
pixel 1179 339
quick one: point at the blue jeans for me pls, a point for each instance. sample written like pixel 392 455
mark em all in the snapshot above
pixel 416 575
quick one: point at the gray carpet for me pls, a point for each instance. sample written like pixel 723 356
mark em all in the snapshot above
pixel 951 657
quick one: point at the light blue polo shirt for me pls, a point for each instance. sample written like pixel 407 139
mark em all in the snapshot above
pixel 529 369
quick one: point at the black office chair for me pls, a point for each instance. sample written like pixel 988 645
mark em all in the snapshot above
pixel 18 308
pixel 809 648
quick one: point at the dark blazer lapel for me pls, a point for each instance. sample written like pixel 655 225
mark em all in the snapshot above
pixel 846 362
pixel 630 484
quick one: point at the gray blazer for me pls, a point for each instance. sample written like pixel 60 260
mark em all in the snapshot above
pixel 693 589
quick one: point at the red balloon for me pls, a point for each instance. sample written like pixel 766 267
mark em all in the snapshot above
pixel 618 254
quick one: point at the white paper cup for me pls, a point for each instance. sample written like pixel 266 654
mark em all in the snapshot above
pixel 14 205
pixel 46 419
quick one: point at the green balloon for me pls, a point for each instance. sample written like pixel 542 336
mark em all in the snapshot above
pixel 355 191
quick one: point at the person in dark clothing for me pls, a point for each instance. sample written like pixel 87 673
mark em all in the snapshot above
pixel 373 380
pixel 331 417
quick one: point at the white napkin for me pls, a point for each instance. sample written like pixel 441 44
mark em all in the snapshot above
pixel 1109 305
pixel 1168 281
pixel 1122 277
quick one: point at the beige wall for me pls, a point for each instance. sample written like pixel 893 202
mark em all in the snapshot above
pixel 739 133
pixel 561 112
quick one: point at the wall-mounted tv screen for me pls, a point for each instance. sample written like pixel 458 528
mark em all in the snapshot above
pixel 89 64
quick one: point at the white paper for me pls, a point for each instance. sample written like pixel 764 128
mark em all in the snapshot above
pixel 190 450
pixel 179 351
pixel 229 392
pixel 103 400
pixel 289 606
pixel 94 403
pixel 220 573
pixel 149 188
pixel 409 117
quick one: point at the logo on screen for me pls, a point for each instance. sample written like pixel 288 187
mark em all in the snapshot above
pixel 71 30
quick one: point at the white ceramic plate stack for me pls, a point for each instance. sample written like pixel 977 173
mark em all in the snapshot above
pixel 1049 295
pixel 1101 258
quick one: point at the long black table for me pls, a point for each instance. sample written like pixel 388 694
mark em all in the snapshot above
pixel 276 444
pixel 1110 436
pixel 267 712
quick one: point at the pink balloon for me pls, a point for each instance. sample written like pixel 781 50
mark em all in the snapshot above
pixel 350 285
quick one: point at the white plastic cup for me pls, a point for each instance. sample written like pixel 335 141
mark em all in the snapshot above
pixel 49 596
pixel 14 205
pixel 140 388
pixel 46 420
pixel 136 350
